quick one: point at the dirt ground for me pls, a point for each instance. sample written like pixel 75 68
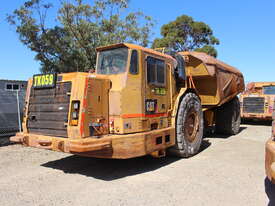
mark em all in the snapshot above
pixel 228 171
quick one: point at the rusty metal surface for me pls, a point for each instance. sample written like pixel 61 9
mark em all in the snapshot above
pixel 257 87
pixel 215 81
pixel 253 105
pixel 192 125
pixel 270 159
pixel 209 60
pixel 121 146
pixel 270 152
pixel 48 110
pixel 273 122
pixel 256 104
pixel 229 84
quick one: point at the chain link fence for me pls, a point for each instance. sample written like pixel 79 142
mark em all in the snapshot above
pixel 11 111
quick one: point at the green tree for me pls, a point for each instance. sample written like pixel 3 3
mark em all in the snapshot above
pixel 80 28
pixel 185 34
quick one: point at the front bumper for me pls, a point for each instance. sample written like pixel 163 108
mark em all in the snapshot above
pixel 259 116
pixel 108 146
pixel 62 144
pixel 270 159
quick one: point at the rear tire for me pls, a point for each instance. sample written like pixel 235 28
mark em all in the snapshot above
pixel 228 118
pixel 189 127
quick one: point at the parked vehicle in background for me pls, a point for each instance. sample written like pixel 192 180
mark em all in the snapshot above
pixel 257 101
pixel 12 95
pixel 138 102
pixel 270 153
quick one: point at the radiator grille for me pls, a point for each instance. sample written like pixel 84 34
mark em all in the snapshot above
pixel 48 110
pixel 253 105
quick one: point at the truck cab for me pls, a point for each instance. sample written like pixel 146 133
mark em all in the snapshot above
pixel 257 101
pixel 141 93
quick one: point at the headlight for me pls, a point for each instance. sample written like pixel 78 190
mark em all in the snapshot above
pixel 75 115
pixel 76 105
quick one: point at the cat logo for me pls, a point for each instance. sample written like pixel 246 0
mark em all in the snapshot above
pixel 44 81
pixel 150 106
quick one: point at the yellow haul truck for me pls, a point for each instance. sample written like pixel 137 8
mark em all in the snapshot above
pixel 257 101
pixel 270 153
pixel 137 102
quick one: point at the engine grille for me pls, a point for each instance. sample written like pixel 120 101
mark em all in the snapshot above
pixel 48 110
pixel 253 105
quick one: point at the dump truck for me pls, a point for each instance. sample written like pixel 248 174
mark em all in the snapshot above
pixel 270 153
pixel 137 102
pixel 257 101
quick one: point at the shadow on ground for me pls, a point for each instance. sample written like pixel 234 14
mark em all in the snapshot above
pixel 108 169
pixel 211 134
pixel 111 169
pixel 257 122
pixel 270 191
pixel 5 141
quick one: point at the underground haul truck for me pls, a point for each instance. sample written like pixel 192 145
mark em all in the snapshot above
pixel 257 101
pixel 137 102
pixel 270 152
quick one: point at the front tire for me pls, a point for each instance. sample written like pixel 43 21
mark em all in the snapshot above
pixel 189 127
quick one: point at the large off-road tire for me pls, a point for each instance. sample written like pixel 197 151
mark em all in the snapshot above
pixel 228 118
pixel 189 127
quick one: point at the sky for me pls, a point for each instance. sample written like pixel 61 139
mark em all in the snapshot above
pixel 245 28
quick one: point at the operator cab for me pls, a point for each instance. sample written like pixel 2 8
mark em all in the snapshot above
pixel 141 79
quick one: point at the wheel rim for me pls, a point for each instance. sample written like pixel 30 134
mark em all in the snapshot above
pixel 191 125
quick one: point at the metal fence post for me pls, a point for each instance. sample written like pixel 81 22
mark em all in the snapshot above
pixel 18 110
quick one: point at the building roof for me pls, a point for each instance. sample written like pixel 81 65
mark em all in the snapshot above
pixel 9 80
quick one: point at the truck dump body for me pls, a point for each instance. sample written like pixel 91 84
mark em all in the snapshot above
pixel 257 101
pixel 215 81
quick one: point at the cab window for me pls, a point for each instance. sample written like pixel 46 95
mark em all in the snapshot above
pixel 112 61
pixel 269 90
pixel 155 71
pixel 134 62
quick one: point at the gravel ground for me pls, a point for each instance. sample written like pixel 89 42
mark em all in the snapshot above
pixel 228 171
